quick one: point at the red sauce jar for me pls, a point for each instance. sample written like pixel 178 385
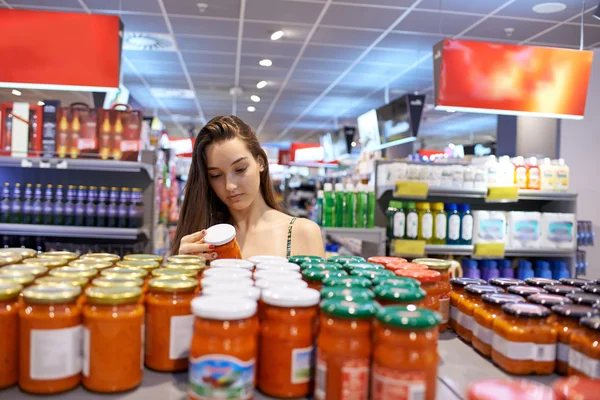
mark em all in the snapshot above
pixel 223 237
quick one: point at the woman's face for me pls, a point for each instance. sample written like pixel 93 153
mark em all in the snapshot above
pixel 233 173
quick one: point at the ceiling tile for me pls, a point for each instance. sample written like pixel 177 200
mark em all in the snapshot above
pixel 283 11
pixel 493 28
pixel 364 17
pixel 207 58
pixel 216 8
pixel 391 3
pixel 262 73
pixel 443 24
pixel 198 26
pixel 277 61
pixel 344 36
pixel 150 6
pixel 206 81
pixel 271 48
pixel 524 9
pixel 199 69
pixel 321 76
pixel 46 3
pixel 569 35
pixel 165 56
pixel 479 7
pixel 262 30
pixel 202 44
pixel 323 65
pixel 144 23
pixel 396 40
pixel 394 57
pixel 332 52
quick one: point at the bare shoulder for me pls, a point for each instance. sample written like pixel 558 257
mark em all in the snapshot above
pixel 307 239
pixel 305 228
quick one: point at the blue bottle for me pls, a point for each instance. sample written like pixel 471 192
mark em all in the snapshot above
pixel 470 269
pixel 525 270
pixel 453 234
pixel 542 269
pixel 489 269
pixel 505 268
pixel 466 224
pixel 562 270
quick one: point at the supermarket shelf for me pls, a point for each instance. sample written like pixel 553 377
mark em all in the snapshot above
pixel 71 231
pixel 467 250
pixel 373 235
pixel 481 193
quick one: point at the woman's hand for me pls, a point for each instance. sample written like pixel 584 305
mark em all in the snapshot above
pixel 194 244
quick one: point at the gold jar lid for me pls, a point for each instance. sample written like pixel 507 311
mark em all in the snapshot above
pixel 49 262
pixel 59 254
pixel 125 272
pixel 116 281
pixel 186 259
pixel 173 284
pixel 90 263
pixel 187 267
pixel 55 294
pixel 9 290
pixel 174 272
pixel 58 280
pixel 143 257
pixel 113 258
pixel 138 264
pixel 79 272
pixel 9 258
pixel 112 295
pixel 436 264
pixel 36 270
pixel 21 252
pixel 22 278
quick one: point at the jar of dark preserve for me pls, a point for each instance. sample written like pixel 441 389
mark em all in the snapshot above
pixel 562 290
pixel 541 282
pixel 548 301
pixel 586 299
pixel 525 291
pixel 505 283
pixel 579 282
pixel 595 289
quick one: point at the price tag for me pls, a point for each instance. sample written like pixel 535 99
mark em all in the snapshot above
pixel 409 247
pixel 25 163
pixel 44 164
pixel 502 194
pixel 413 190
pixel 489 250
pixel 62 165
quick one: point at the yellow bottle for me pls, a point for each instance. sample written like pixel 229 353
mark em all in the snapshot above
pixel 104 146
pixel 440 224
pixel 117 139
pixel 62 138
pixel 75 134
pixel 425 222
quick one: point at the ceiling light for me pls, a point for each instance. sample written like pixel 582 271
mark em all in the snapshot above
pixel 265 63
pixel 142 41
pixel 255 98
pixel 549 8
pixel 41 103
pixel 251 109
pixel 276 35
pixel 16 92
pixel 261 84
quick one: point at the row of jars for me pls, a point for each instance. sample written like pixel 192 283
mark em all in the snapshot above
pixel 537 326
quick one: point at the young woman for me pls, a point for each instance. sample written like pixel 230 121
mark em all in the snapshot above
pixel 229 182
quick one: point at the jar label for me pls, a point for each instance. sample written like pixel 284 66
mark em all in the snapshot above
pixel 464 320
pixel 85 367
pixel 219 376
pixel 524 350
pixel 320 377
pixel 482 333
pixel 302 361
pixel 354 379
pixel 560 231
pixel 427 226
pixel 562 352
pixel 444 309
pixel 55 353
pixel 182 330
pixel 440 226
pixel 584 364
pixel 389 384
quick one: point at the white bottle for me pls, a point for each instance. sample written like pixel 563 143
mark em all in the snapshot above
pixel 507 172
pixel 561 184
pixel 547 175
pixel 412 224
pixel 493 173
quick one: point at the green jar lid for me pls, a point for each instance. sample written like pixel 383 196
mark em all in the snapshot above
pixel 348 293
pixel 348 281
pixel 435 264
pixel 396 281
pixel 318 274
pixel 345 259
pixel 371 273
pixel 405 294
pixel 396 204
pixel 407 317
pixel 356 309
pixel 362 265
pixel 321 265
pixel 305 259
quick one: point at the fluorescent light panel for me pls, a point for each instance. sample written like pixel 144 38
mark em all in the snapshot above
pixel 507 112
pixel 46 86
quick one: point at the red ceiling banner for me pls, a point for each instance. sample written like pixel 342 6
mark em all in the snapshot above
pixel 57 50
pixel 501 78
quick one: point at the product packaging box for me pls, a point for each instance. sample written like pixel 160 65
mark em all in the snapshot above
pixel 559 230
pixel 489 227
pixel 21 130
pixel 524 229
pixel 77 131
pixel 119 133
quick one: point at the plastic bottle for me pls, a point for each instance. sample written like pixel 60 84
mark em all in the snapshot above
pixel 562 176
pixel 470 269
pixel 340 205
pixel 320 197
pixel 396 220
pixel 524 270
pixel 562 270
pixel 547 175
pixel 489 269
pixel 542 269
pixel 371 206
pixel 520 173
pixel 492 169
pixel 466 224
pixel 425 222
pixel 329 204
pixel 507 171
pixel 412 221
pixel 350 206
pixel 440 223
pixel 453 236
pixel 360 218
pixel 533 175
pixel 505 268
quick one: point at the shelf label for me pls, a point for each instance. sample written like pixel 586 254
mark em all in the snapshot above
pixel 25 163
pixel 502 194
pixel 413 190
pixel 62 164
pixel 409 247
pixel 44 164
pixel 489 250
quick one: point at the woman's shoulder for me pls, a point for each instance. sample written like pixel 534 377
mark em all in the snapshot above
pixel 305 228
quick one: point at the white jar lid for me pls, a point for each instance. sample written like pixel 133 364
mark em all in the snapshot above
pixel 228 272
pixel 291 297
pixel 219 234
pixel 232 289
pixel 285 266
pixel 223 308
pixel 232 263
pixel 267 259
pixel 268 283
pixel 277 274
pixel 224 280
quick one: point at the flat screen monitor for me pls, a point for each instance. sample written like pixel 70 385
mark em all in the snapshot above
pixel 400 118
pixel 368 130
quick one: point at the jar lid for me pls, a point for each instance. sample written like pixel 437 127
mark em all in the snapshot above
pixel 385 260
pixel 524 310
pixel 187 259
pixel 278 267
pixel 218 281
pixel 270 283
pixel 81 272
pixel 22 278
pixel 232 263
pixel 288 297
pixel 196 268
pixel 9 290
pixel 143 257
pixel 423 276
pixel 46 262
pixel 506 282
pixel 125 272
pixel 562 290
pixel 396 281
pixel 362 265
pixel 407 266
pixel 20 251
pixel 399 293
pixel 220 234
pixel 573 311
pixel 173 272
pixel 501 298
pixel 548 300
pixel 408 317
pixel 462 282
pixel 57 280
pixel 302 259
pixel 55 294
pixel 579 282
pixel 541 282
pixel 112 295
pixel 348 281
pixel 595 288
pixel 505 389
pixel 576 388
pixel 96 264
pixel 351 309
pixel 267 259
pixel 479 290
pixel 372 273
pixel 223 308
pixel 59 254
pixel 233 289
pixel 102 256
pixel 9 258
pixel 316 274
pixel 321 265
pixel 36 270
pixel 435 264
pixel 587 299
pixel 592 323
pixel 173 284
pixel 525 290
pixel 271 273
pixel 147 265
pixel 348 293
pixel 116 281
pixel 227 272
pixel 345 259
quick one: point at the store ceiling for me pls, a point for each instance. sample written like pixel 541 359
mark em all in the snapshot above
pixel 335 59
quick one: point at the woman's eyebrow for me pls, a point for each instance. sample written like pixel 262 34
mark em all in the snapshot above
pixel 233 163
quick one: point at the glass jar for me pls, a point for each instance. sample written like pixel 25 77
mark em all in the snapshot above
pixel 443 267
pixel 372 273
pixel 405 356
pixel 388 295
pixel 223 350
pixel 109 257
pixel 315 276
pixel 127 273
pixel 195 268
pixel 20 252
pixel 344 349
pixel 590 288
pixel 584 352
pixel 95 264
pixel 585 299
pixel 525 291
pixel 505 283
pixel 35 270
pixel 343 260
pixel 466 307
pixel 406 265
pixel 508 389
pixel 287 335
pixel 385 260
pixel 548 301
pixel 147 266
pixel 49 263
pixel 562 290
pixel 457 286
pixel 113 350
pixel 79 282
pixel 484 317
pixel 66 255
pixel 567 320
pixel 270 283
pixel 22 278
pixel 227 272
pixel 269 273
pixel 523 342
pixel 396 281
pixel 222 236
pixel 9 332
pixel 348 293
pixel 169 323
pixel 325 265
pixel 541 282
pixel 576 387
pixel 577 282
pixel 262 259
pixel 235 289
pixel 302 259
pixel 143 257
pixel 219 280
pixel 186 259
pixel 49 339
pixel 8 258
pixel 348 281
pixel 430 282
pixel 74 272
pixel 282 266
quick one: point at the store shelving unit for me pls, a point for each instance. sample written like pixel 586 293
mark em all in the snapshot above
pixel 71 231
pixel 467 250
pixel 373 239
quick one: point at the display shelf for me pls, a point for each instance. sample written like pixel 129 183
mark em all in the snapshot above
pixel 71 231
pixel 467 250
pixel 373 239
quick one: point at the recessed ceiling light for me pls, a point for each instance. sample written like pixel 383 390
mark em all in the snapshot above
pixel 261 84
pixel 251 109
pixel 277 35
pixel 265 63
pixel 255 98
pixel 549 8
pixel 41 103
pixel 202 7
pixel 148 41
pixel 16 92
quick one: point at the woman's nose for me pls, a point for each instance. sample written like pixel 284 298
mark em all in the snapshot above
pixel 230 185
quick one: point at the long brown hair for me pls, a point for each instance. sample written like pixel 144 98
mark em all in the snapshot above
pixel 201 207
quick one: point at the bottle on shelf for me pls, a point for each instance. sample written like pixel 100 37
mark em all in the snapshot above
pixel 350 206
pixel 340 205
pixel 80 206
pixel 136 209
pixel 105 134
pixel 440 223
pixel 425 231
pixel 489 269
pixel 533 174
pixel 62 136
pixel 329 202
pixel 320 201
pixel 37 206
pixel 102 207
pixel 506 269
pixel 547 175
pixel 117 139
pixel 520 173
pixel 48 206
pixel 412 221
pixel 123 209
pixel 524 270
pixel 16 206
pixel 70 205
pixel 542 269
pixel 28 204
pixel 59 206
pixel 371 203
pixel 91 206
pixel 453 236
pixel 562 176
pixel 5 204
pixel 561 270
pixel 507 171
pixel 396 226
pixel 112 209
pixel 75 135
pixel 466 224
pixel 470 269
pixel 360 218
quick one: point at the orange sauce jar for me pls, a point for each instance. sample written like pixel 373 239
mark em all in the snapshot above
pixel 577 282
pixel 79 282
pixel 466 308
pixel 20 252
pixel 541 282
pixel 128 273
pixel 505 283
pixel 548 301
pixel 222 236
pixel 405 356
pixel 443 267
pixel 286 340
pixel 484 316
pixel 566 322
pixel 90 263
pixel 315 276
pixel 35 270
pixel 227 272
pixel 143 257
pixel 49 339
pixel 223 350
pixel 457 286
pixel 186 259
pixel 147 266
pixel 65 255
pixel 576 387
pixel 196 268
pixel 344 349
pixel 525 291
pixel 523 342
pixel 562 290
pixel 49 263
pixel 7 258
pixel 113 336
pixel 21 278
pixel 584 352
pixel 386 260
pixel 169 323
pixel 112 258
pixel 389 295
pixel 585 299
pixel 9 333
pixel 508 389
pixel 430 282
pixel 70 272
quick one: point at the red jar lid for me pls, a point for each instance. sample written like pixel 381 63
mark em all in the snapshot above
pixel 422 276
pixel 576 388
pixel 386 260
pixel 508 389
pixel 406 265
